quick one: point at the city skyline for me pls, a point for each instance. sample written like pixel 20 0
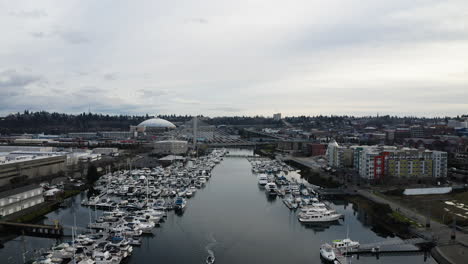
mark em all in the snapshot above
pixel 223 58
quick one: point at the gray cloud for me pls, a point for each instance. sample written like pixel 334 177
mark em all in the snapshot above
pixel 72 36
pixel 14 79
pixel 39 34
pixel 197 20
pixel 69 36
pixel 36 13
pixel 90 90
pixel 151 93
pixel 228 109
pixel 292 58
pixel 110 76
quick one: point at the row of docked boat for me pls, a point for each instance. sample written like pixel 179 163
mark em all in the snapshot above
pixel 295 195
pixel 266 165
pixel 272 176
pixel 134 203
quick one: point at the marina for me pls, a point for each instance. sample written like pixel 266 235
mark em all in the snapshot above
pixel 212 222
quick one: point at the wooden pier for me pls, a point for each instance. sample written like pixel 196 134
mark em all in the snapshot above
pixel 35 229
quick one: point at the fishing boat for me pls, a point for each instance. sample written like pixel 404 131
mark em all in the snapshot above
pixel 345 244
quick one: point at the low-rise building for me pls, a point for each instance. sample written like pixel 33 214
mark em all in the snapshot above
pixel 176 147
pixel 105 151
pixel 84 135
pixel 31 167
pixel 18 199
pixel 117 134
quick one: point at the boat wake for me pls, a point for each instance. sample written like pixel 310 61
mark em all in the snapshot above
pixel 210 245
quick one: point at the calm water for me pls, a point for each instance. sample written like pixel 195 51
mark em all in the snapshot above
pixel 236 220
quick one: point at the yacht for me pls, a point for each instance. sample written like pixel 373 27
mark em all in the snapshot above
pixel 262 179
pixel 326 253
pixel 318 217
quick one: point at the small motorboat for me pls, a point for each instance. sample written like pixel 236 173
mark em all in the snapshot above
pixel 326 253
pixel 210 259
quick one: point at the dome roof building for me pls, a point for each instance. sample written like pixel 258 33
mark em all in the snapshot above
pixel 156 123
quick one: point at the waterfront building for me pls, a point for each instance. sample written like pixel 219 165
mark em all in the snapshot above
pixel 371 161
pixel 377 162
pixel 15 200
pixel 410 163
pixel 339 156
pixel 166 147
pixel 30 167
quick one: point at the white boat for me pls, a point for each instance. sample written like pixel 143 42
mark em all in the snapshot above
pixel 86 261
pixel 42 260
pixel 326 252
pixel 345 244
pixel 271 188
pixel 319 217
pixel 262 179
pixel 193 189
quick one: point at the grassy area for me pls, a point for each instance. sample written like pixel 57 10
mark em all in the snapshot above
pixel 439 206
pixel 403 219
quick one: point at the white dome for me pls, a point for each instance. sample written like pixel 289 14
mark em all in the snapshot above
pixel 157 122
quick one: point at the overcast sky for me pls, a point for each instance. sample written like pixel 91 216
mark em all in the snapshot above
pixel 225 57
